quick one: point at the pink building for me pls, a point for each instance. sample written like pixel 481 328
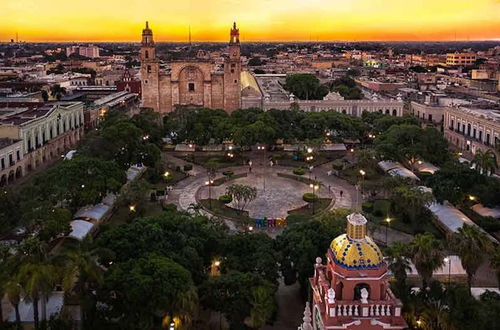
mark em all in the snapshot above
pixel 351 290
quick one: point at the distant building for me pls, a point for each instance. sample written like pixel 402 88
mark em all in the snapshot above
pixel 473 129
pixel 127 83
pixel 460 59
pixel 11 160
pixel 191 82
pixel 351 291
pixel 90 51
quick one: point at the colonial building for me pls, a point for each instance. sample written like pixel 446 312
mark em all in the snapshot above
pixel 351 290
pixel 38 134
pixel 192 82
pixel 471 130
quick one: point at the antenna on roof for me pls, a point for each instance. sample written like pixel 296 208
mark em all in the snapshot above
pixel 190 35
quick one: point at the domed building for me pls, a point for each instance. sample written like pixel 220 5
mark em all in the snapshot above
pixel 351 290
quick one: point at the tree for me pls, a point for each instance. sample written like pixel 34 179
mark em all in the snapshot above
pixel 251 253
pixel 83 180
pixel 409 143
pixel 471 244
pixel 495 263
pixel 56 91
pixel 263 306
pixel 346 87
pixel 305 86
pixel 411 200
pixel 301 243
pixel 399 264
pixel 232 295
pixel 485 161
pixel 81 273
pixel 37 280
pixel 427 256
pixel 10 213
pixel 141 292
pixel 242 194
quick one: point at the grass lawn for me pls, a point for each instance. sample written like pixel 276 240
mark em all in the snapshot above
pixel 122 215
pixel 305 213
pixel 286 159
pixel 381 211
pixel 203 158
pixel 223 210
pixel 353 176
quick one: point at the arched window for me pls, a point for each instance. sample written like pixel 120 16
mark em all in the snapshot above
pixel 394 112
pixel 146 54
pixel 149 68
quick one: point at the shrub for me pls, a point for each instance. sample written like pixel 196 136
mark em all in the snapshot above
pixel 188 167
pixel 338 165
pixel 367 207
pixel 226 199
pixel 310 197
pixel 381 207
pixel 299 171
pixel 228 173
pixel 277 156
pixel 169 207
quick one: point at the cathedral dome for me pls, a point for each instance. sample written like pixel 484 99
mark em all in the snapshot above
pixel 355 250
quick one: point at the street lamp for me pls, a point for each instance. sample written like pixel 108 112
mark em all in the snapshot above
pixel 388 220
pixel 263 148
pixel 363 173
pixel 448 261
pixel 209 184
pixel 309 150
pixel 314 187
pixel 132 208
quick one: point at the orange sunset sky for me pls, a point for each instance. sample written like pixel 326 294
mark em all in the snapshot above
pixel 259 20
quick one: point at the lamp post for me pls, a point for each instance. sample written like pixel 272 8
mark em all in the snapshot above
pixel 209 184
pixel 363 173
pixel 448 261
pixel 263 149
pixel 388 220
pixel 314 187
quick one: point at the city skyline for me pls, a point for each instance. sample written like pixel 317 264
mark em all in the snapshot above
pixel 261 20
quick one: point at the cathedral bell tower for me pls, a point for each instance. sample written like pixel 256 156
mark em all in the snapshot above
pixel 232 71
pixel 149 70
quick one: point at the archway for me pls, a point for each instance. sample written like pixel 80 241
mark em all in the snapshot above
pixel 358 288
pixel 11 176
pixel 19 172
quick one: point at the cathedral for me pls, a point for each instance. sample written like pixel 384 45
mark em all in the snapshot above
pixel 194 82
pixel 351 290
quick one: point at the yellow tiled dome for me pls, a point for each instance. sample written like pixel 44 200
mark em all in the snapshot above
pixel 356 253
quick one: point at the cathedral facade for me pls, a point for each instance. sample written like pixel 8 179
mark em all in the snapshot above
pixel 196 82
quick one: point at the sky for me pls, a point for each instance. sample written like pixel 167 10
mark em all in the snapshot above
pixel 258 20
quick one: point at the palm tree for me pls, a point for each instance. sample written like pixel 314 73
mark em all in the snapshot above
pixel 427 256
pixel 495 263
pixel 185 306
pixel 411 200
pixel 13 291
pixel 471 244
pixel 399 264
pixel 81 270
pixel 485 161
pixel 37 280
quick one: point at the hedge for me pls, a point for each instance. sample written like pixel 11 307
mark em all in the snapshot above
pixel 226 199
pixel 299 171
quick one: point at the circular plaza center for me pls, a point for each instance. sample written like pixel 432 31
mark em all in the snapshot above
pixel 276 195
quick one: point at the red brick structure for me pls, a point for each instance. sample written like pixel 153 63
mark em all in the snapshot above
pixel 351 291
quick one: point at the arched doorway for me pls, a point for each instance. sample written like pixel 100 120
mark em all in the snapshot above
pixel 19 172
pixel 358 288
pixel 11 176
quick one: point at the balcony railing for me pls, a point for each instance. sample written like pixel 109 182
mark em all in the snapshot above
pixel 358 309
